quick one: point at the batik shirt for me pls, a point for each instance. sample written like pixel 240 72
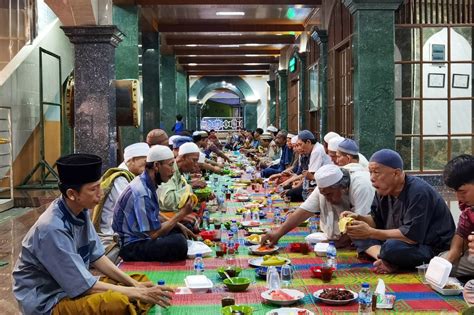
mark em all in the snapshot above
pixel 54 259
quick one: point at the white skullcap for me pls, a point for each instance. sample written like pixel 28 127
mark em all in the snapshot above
pixel 290 135
pixel 202 158
pixel 197 133
pixel 172 138
pixel 266 136
pixel 188 147
pixel 294 139
pixel 159 153
pixel 272 128
pixel 334 143
pixel 327 175
pixel 135 150
pixel 330 135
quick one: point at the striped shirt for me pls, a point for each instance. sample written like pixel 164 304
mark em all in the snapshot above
pixel 136 212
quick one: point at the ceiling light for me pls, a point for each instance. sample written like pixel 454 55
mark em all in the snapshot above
pixel 192 64
pixel 227 13
pixel 191 45
pixel 229 46
pixel 192 55
pixel 251 55
pixel 252 44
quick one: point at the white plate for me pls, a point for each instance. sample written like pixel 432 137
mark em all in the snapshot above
pixel 335 302
pixel 297 295
pixel 257 262
pixel 288 311
pixel 258 230
pixel 253 250
pixel 316 237
pixel 250 224
pixel 243 198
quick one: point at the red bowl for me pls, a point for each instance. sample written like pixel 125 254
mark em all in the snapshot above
pixel 315 271
pixel 208 235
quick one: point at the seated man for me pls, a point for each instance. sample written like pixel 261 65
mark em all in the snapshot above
pixel 337 190
pixel 409 223
pixel 52 273
pixel 136 215
pixel 157 136
pixel 348 153
pixel 459 176
pixel 113 183
pixel 285 159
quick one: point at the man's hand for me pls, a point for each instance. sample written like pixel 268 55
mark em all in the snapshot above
pixel 187 232
pixel 271 238
pixel 188 207
pixel 274 177
pixel 147 284
pixel 160 295
pixel 359 230
pixel 351 214
pixel 295 183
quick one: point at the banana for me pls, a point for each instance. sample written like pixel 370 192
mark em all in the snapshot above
pixel 186 195
pixel 273 261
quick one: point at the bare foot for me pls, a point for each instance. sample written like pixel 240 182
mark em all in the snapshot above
pixel 384 267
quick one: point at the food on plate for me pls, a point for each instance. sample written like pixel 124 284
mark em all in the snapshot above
pixel 209 242
pixel 203 193
pixel 336 294
pixel 344 222
pixel 269 260
pixel 452 286
pixel 255 238
pixel 264 248
pixel 279 295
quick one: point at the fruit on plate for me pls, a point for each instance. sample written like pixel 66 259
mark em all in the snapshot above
pixel 208 243
pixel 255 238
pixel 188 194
pixel 344 222
pixel 269 260
pixel 280 295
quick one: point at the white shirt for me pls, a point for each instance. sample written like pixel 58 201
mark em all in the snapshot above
pixel 358 198
pixel 363 161
pixel 318 158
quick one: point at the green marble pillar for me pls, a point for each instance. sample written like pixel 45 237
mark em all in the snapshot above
pixel 250 116
pixel 271 118
pixel 126 61
pixel 321 38
pixel 182 95
pixel 168 107
pixel 283 98
pixel 192 122
pixel 151 80
pixel 373 59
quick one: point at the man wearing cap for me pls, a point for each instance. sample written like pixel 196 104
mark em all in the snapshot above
pixel 337 190
pixel 169 193
pixel 52 273
pixel 157 136
pixel 200 139
pixel 286 156
pixel 348 154
pixel 113 183
pixel 178 142
pixel 136 215
pixel 332 147
pixel 409 223
pixel 459 176
pixel 327 137
pixel 209 147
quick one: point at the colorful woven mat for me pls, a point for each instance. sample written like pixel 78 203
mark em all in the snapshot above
pixel 412 297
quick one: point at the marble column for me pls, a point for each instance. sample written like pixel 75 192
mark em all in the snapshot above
pixel 182 95
pixel 373 59
pixel 321 38
pixel 126 62
pixel 283 98
pixel 250 116
pixel 168 106
pixel 272 102
pixel 151 80
pixel 94 92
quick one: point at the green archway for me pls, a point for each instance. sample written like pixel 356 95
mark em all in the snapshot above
pixel 206 85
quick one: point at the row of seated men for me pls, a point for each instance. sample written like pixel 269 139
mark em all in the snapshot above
pixel 398 220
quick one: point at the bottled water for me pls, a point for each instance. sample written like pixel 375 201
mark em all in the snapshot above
pixel 304 192
pixel 270 203
pixel 161 310
pixel 224 236
pixel 365 300
pixel 247 215
pixel 230 257
pixel 277 217
pixel 234 228
pixel 198 264
pixel 331 255
pixel 265 186
pixel 312 225
pixel 205 219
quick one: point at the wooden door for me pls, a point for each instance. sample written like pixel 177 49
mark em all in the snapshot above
pixel 293 106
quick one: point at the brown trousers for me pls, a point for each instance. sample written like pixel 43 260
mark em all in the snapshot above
pixel 110 302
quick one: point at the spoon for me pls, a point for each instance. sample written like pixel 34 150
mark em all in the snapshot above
pixel 228 277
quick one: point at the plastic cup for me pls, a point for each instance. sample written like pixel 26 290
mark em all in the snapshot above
pixel 422 272
pixel 326 273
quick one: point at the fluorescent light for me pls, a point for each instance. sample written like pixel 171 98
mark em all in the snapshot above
pixel 246 55
pixel 191 45
pixel 229 46
pixel 227 13
pixel 192 64
pixel 252 44
pixel 192 55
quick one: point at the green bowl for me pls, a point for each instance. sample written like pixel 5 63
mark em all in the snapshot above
pixel 231 271
pixel 234 309
pixel 203 193
pixel 237 284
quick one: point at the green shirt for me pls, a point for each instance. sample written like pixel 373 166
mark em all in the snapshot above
pixel 169 193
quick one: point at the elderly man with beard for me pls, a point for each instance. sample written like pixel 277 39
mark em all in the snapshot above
pixel 136 216
pixel 409 222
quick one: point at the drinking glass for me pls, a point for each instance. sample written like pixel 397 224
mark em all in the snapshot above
pixel 286 275
pixel 273 278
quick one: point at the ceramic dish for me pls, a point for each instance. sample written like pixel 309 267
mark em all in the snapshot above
pixel 282 296
pixel 335 302
pixel 257 262
pixel 250 224
pixel 258 230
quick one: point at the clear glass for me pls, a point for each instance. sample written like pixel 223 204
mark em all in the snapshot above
pixel 286 275
pixel 273 278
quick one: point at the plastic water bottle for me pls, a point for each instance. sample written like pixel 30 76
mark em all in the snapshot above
pixel 230 257
pixel 270 203
pixel 161 310
pixel 273 278
pixel 277 217
pixel 234 228
pixel 312 225
pixel 205 219
pixel 198 264
pixel 224 235
pixel 365 300
pixel 305 187
pixel 331 255
pixel 265 186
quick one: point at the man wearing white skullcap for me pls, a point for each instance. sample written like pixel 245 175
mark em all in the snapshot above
pixel 330 135
pixel 136 215
pixel 333 144
pixel 337 190
pixel 113 183
pixel 169 193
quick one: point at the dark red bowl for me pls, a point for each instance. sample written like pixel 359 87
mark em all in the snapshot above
pixel 208 235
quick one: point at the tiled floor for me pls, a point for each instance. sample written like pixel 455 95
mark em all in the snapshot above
pixel 16 223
